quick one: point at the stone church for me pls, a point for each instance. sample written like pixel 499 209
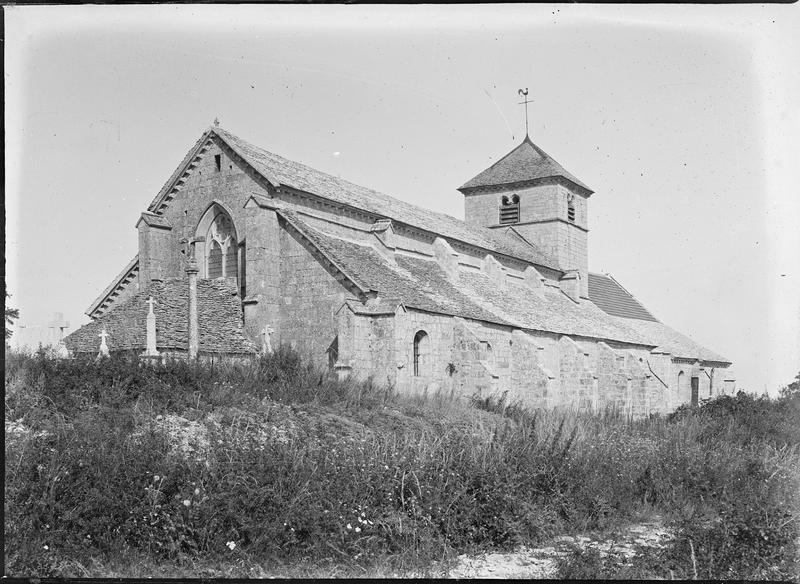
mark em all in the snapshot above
pixel 242 251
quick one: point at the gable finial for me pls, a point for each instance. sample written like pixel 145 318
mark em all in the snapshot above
pixel 525 101
pixel 216 122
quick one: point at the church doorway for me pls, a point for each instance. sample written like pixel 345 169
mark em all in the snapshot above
pixel 695 390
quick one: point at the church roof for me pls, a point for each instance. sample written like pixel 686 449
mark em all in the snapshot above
pixel 219 316
pixel 527 162
pixel 422 284
pixel 670 341
pixel 615 300
pixel 281 171
pixel 127 277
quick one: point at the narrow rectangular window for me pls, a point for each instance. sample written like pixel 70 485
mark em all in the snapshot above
pixel 218 161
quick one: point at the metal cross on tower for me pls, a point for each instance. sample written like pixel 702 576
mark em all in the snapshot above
pixel 525 101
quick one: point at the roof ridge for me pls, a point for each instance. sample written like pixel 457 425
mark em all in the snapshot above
pixel 489 237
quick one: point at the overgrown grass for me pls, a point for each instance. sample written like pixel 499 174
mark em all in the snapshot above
pixel 296 468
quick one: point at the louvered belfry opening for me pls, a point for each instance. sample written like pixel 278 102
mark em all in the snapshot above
pixel 509 210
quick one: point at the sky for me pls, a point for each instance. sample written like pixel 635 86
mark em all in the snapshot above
pixel 684 120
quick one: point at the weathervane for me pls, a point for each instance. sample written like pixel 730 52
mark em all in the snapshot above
pixel 525 101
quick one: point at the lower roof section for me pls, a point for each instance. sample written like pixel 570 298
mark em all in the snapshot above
pixel 422 284
pixel 219 321
pixel 615 300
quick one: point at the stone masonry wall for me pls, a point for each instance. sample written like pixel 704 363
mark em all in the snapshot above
pixel 310 297
pixel 538 370
pixel 231 186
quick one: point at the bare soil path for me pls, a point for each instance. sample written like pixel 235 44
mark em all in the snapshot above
pixel 542 562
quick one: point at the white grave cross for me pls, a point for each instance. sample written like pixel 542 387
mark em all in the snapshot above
pixel 103 346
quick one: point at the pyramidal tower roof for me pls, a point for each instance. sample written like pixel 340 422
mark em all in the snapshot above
pixel 525 163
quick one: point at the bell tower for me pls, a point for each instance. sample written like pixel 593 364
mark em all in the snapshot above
pixel 545 204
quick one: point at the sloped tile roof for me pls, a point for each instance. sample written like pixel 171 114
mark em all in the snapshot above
pixel 219 320
pixel 422 284
pixel 550 310
pixel 615 300
pixel 525 163
pixel 127 273
pixel 281 171
pixel 668 340
pixel 416 283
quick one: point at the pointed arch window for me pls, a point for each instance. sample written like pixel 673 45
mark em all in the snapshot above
pixel 509 209
pixel 420 353
pixel 221 248
pixel 220 251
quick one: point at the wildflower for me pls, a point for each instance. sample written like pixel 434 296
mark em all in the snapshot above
pixel 231 545
pixel 349 526
pixel 358 530
pixel 186 502
pixel 197 491
pixel 156 477
pixel 46 547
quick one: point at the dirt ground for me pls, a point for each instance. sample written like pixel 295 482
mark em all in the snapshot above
pixel 542 562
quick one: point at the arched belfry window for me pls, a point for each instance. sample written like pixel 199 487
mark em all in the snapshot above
pixel 421 344
pixel 571 209
pixel 509 209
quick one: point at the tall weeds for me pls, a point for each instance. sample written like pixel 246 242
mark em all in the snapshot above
pixel 298 466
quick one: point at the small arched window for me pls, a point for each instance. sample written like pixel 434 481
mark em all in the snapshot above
pixel 420 352
pixel 571 212
pixel 509 209
pixel 681 382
